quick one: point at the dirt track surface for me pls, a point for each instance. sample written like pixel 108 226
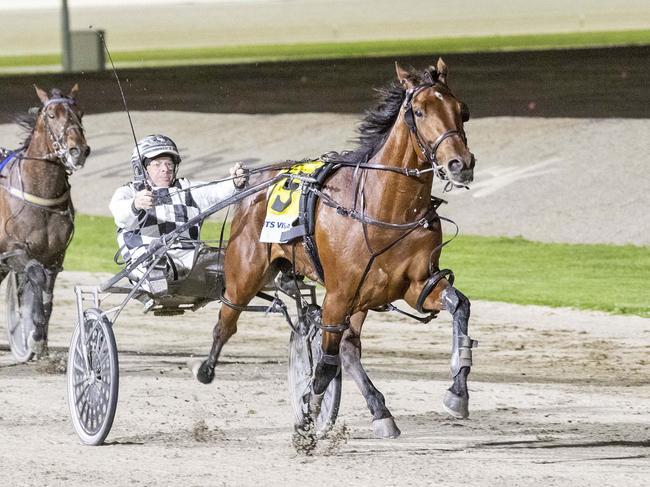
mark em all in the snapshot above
pixel 558 397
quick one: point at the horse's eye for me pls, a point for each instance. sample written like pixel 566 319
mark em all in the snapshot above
pixel 418 113
pixel 50 114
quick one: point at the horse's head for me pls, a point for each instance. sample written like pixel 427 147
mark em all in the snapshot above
pixel 61 120
pixel 435 118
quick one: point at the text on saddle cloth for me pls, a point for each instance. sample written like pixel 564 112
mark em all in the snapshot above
pixel 283 203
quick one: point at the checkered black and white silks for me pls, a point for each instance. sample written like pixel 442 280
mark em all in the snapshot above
pixel 137 230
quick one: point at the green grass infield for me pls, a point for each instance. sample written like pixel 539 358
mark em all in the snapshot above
pixel 333 50
pixel 611 278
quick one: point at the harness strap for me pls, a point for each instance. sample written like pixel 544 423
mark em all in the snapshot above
pixel 37 200
pixel 429 217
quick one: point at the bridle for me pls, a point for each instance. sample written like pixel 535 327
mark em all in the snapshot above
pixel 61 153
pixel 429 151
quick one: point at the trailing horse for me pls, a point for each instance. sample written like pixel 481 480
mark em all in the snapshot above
pixel 376 239
pixel 36 215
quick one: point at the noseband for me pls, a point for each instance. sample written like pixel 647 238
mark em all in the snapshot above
pixel 61 151
pixel 428 151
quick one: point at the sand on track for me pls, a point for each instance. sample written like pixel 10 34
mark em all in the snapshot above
pixel 558 397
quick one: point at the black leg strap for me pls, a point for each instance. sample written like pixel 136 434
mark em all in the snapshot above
pixel 334 328
pixel 330 359
pixel 431 283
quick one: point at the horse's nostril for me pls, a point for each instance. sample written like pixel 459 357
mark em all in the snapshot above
pixel 455 165
pixel 74 151
pixel 87 151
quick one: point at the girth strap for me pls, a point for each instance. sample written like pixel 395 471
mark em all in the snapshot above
pixel 37 200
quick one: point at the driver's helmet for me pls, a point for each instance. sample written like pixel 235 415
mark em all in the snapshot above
pixel 153 146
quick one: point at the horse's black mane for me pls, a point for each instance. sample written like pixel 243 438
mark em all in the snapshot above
pixel 376 124
pixel 27 121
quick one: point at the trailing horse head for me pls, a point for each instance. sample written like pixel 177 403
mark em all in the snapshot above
pixel 435 118
pixel 60 121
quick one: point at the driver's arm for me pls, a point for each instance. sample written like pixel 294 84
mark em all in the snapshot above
pixel 125 214
pixel 212 194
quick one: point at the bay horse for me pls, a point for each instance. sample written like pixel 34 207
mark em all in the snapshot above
pixel 36 212
pixel 378 238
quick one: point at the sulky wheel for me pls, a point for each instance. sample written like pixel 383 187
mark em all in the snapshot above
pixel 19 318
pixel 93 383
pixel 304 354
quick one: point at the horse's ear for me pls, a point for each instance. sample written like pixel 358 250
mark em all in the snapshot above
pixel 403 77
pixel 442 71
pixel 42 94
pixel 430 75
pixel 73 91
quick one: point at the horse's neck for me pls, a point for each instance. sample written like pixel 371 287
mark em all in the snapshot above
pixel 401 198
pixel 46 179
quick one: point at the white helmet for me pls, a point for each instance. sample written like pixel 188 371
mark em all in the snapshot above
pixel 153 146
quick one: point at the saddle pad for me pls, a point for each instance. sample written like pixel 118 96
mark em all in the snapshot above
pixel 283 202
pixel 6 157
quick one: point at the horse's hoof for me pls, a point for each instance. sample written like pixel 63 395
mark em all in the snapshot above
pixel 455 405
pixel 385 428
pixel 202 372
pixel 304 438
pixel 38 347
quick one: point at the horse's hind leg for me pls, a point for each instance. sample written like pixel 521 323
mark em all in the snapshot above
pixel 383 424
pixel 334 323
pixel 240 290
pixel 456 400
pixel 225 328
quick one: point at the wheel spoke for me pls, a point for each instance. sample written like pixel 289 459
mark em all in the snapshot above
pixel 82 395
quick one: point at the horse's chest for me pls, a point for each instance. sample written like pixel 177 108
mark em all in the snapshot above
pixel 49 240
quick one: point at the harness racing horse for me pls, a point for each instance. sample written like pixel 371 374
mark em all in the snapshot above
pixel 378 238
pixel 36 215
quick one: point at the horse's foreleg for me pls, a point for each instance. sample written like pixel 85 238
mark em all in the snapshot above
pixel 445 296
pixel 383 423
pixel 456 400
pixel 48 296
pixel 37 278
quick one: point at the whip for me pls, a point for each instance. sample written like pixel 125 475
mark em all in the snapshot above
pixel 140 176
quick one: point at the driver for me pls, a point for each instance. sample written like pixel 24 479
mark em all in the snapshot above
pixel 144 215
